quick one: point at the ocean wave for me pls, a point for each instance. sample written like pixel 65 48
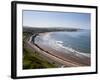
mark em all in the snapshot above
pixel 77 53
pixel 58 45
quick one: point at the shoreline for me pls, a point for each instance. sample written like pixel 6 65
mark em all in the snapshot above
pixel 65 59
pixel 52 57
pixel 64 47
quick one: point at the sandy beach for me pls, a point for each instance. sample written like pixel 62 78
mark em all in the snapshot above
pixel 65 58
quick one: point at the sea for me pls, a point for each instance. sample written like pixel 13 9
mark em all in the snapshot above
pixel 79 40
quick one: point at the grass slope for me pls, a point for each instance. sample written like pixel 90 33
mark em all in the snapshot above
pixel 32 59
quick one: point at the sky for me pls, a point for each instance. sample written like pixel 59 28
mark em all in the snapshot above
pixel 56 19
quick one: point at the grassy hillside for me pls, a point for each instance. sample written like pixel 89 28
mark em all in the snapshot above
pixel 32 59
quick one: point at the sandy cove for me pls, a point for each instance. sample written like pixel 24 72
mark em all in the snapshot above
pixel 65 58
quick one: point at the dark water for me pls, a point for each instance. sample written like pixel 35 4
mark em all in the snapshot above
pixel 78 40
